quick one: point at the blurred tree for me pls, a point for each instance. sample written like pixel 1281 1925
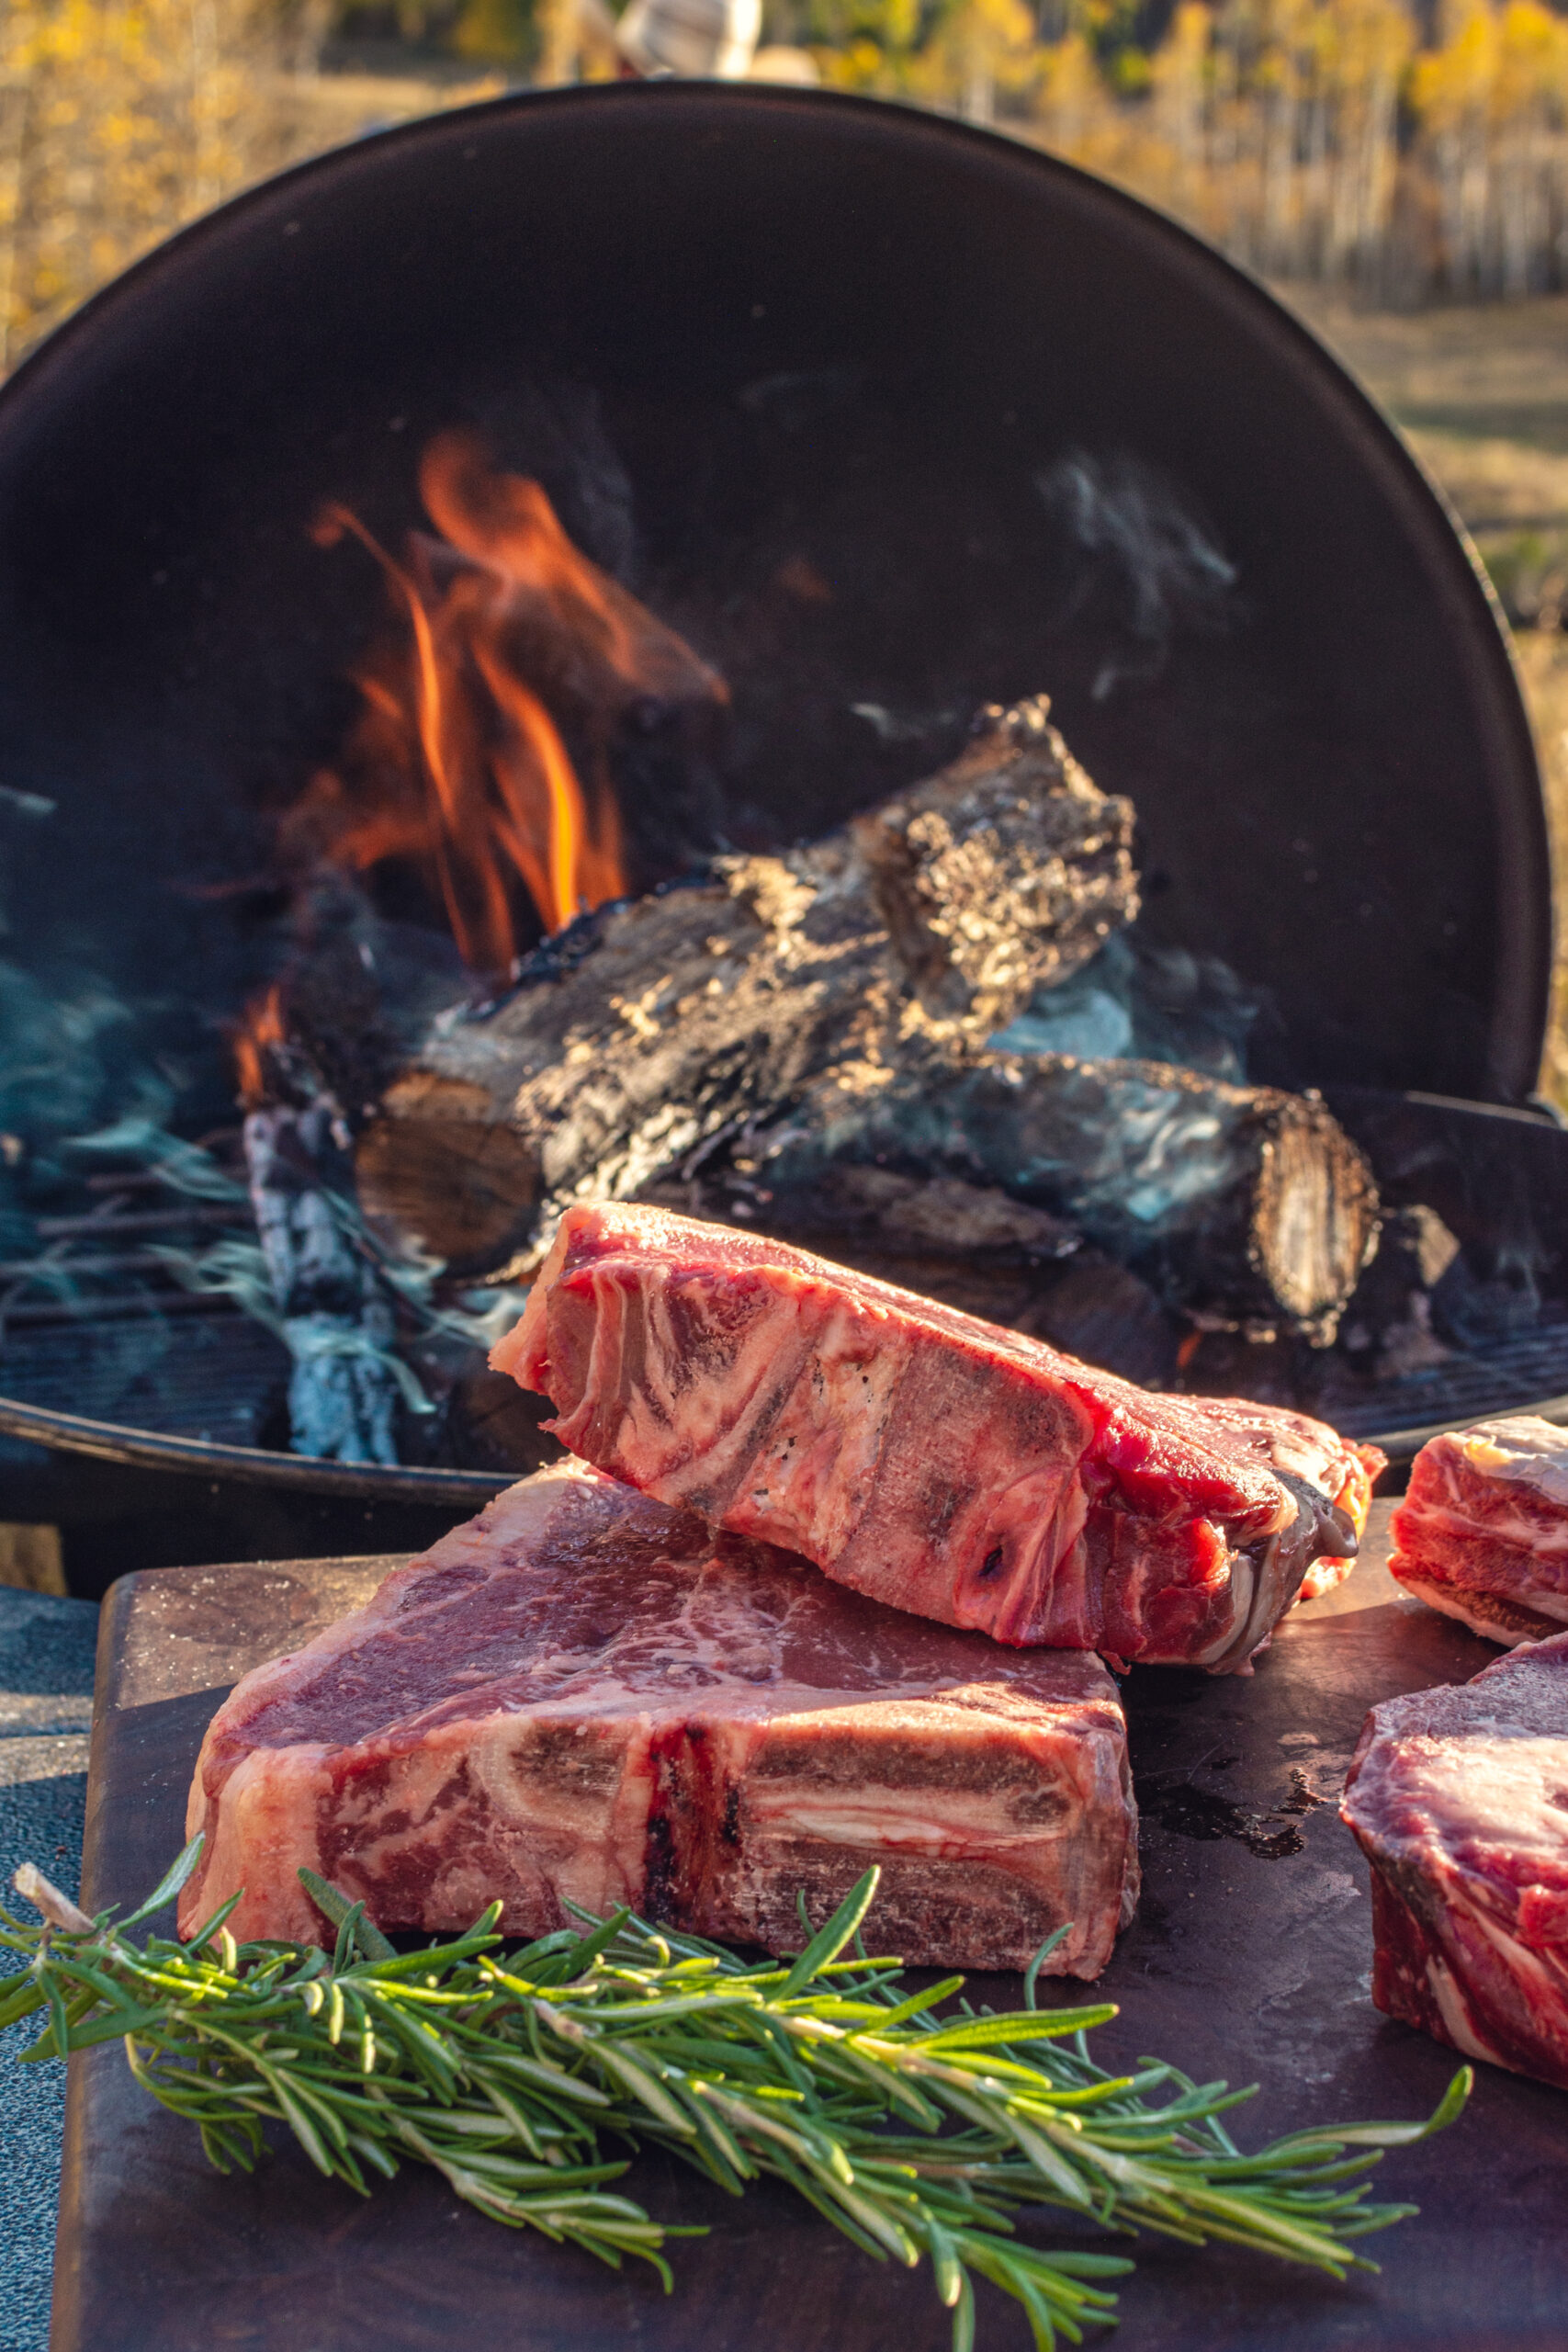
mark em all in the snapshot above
pixel 121 119
pixel 976 49
pixel 498 32
pixel 1491 103
pixel 120 122
pixel 861 44
pixel 1416 144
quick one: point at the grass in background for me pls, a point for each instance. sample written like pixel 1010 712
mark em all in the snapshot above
pixel 1481 392
pixel 1543 661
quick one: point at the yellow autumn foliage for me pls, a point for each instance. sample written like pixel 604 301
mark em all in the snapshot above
pixel 1316 138
pixel 116 123
pixel 122 120
pixel 981 49
pixel 1319 140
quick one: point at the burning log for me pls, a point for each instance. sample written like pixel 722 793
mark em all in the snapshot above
pixel 833 1005
pixel 653 1027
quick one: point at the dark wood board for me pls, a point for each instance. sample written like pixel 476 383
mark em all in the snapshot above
pixel 1249 1959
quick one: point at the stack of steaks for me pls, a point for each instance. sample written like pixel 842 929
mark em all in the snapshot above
pixel 832 1594
pixel 1458 1797
pixel 833 1582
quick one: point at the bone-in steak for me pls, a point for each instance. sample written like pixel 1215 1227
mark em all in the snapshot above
pixel 922 1456
pixel 1459 1800
pixel 583 1696
pixel 1483 1531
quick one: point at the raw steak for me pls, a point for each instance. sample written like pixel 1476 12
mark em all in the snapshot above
pixel 924 1457
pixel 1459 1801
pixel 1483 1531
pixel 583 1695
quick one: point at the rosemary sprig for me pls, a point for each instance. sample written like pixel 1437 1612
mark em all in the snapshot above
pixel 917 2134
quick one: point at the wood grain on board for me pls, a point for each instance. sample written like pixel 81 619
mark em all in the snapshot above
pixel 1249 1959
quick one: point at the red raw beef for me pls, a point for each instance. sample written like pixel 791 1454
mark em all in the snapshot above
pixel 1483 1531
pixel 1459 1801
pixel 583 1696
pixel 922 1456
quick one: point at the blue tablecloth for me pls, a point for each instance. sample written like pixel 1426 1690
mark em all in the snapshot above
pixel 46 1705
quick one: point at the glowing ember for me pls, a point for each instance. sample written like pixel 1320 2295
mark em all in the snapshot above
pixel 259 1029
pixel 505 634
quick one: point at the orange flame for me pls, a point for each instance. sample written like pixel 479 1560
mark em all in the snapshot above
pixel 456 762
pixel 259 1027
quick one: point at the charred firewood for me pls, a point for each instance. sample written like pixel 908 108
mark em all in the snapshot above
pixel 438 1164
pixel 1001 875
pixel 655 1026
pixel 868 1207
pixel 832 1007
pixel 1388 1330
pixel 1238 1204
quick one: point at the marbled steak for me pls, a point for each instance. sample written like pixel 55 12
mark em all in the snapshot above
pixel 1482 1530
pixel 1459 1799
pixel 583 1695
pixel 922 1456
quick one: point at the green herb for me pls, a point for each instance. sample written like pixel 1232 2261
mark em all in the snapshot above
pixel 917 2134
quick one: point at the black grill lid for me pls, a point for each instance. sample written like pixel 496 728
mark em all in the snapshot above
pixel 731 326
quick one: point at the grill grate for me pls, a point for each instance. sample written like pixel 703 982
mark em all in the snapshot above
pixel 216 1375
pixel 1512 1375
pixel 220 1376
pixel 95 1325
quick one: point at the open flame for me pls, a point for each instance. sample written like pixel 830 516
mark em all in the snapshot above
pixel 258 1032
pixel 505 635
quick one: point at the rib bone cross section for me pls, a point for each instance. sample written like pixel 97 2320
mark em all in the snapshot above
pixel 585 1698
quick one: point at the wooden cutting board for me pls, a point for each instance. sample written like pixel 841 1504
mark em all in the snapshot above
pixel 1249 1959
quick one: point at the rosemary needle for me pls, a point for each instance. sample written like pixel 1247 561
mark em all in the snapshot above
pixel 918 2136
